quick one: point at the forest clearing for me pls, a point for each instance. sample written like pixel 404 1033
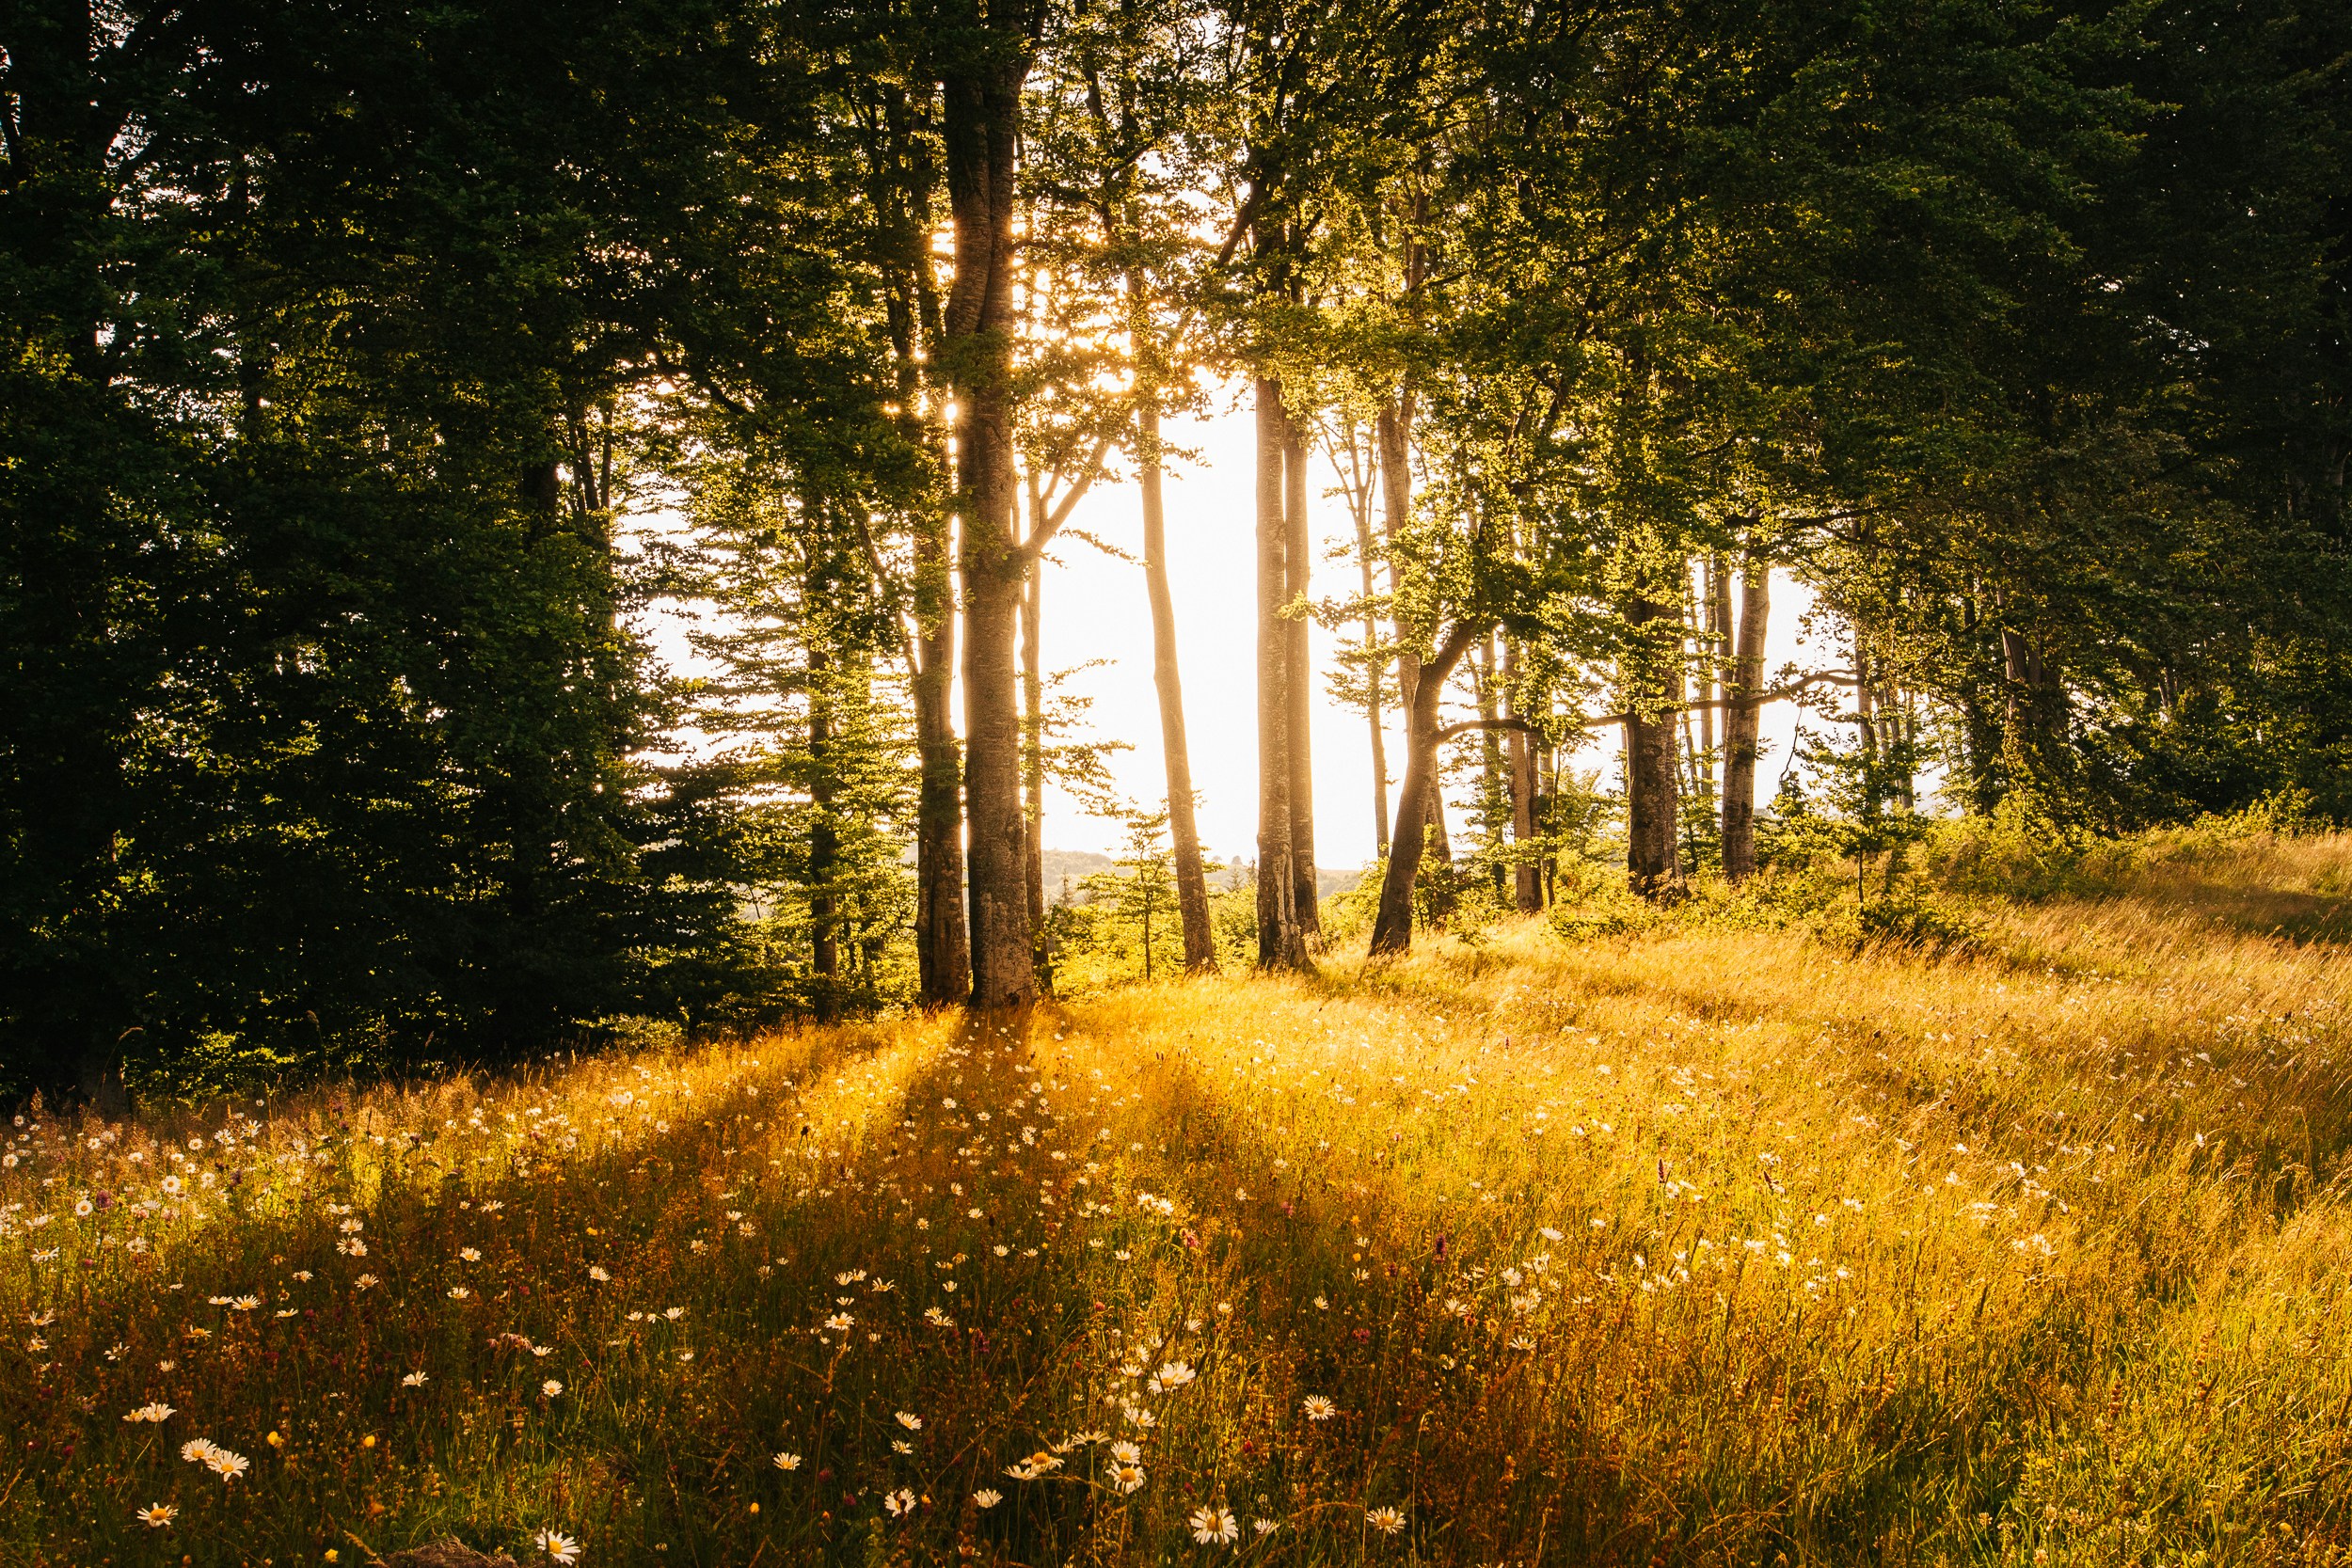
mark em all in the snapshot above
pixel 1702 1244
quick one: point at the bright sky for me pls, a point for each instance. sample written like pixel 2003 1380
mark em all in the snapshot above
pixel 1095 607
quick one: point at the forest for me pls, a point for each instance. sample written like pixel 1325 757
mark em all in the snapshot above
pixel 370 371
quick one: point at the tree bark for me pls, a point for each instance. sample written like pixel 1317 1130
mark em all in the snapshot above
pixel 1495 781
pixel 1192 887
pixel 824 839
pixel 1033 726
pixel 1281 943
pixel 1371 682
pixel 1395 425
pixel 1653 693
pixel 943 947
pixel 1393 928
pixel 1298 560
pixel 981 121
pixel 1527 889
pixel 1743 718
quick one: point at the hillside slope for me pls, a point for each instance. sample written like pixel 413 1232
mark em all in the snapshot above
pixel 1700 1246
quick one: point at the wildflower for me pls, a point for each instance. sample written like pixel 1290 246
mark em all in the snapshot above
pixel 245 1304
pixel 900 1503
pixel 155 1516
pixel 414 1379
pixel 1175 1375
pixel 225 1464
pixel 1318 1408
pixel 563 1549
pixel 197 1449
pixel 366 1282
pixel 674 1313
pixel 840 1322
pixel 471 1255
pixel 1388 1521
pixel 551 1388
pixel 686 1355
pixel 1127 1477
pixel 788 1461
pixel 149 1413
pixel 912 1423
pixel 596 1273
pixel 1266 1527
pixel 987 1497
pixel 1215 1526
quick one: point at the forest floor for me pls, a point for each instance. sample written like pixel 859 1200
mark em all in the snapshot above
pixel 1694 1246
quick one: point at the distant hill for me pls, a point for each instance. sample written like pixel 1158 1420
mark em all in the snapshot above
pixel 1076 865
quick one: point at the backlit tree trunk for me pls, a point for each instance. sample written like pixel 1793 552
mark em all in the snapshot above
pixel 1393 928
pixel 1744 718
pixel 1653 692
pixel 1298 560
pixel 1395 425
pixel 1371 683
pixel 1192 888
pixel 1033 723
pixel 1281 943
pixel 942 940
pixel 824 838
pixel 982 102
pixel 1527 889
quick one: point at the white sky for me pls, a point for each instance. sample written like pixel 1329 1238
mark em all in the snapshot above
pixel 1095 607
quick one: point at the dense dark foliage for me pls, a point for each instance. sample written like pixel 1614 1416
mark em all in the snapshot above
pixel 336 340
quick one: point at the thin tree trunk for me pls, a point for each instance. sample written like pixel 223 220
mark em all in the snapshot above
pixel 1395 425
pixel 1192 888
pixel 942 942
pixel 1393 928
pixel 1743 718
pixel 1372 675
pixel 1281 943
pixel 1653 692
pixel 824 838
pixel 982 103
pixel 1494 790
pixel 1299 560
pixel 1033 723
pixel 1527 892
pixel 1711 670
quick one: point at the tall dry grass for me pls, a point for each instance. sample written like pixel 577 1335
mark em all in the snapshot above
pixel 1694 1245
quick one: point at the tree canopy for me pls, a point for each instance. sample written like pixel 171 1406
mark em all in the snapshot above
pixel 347 348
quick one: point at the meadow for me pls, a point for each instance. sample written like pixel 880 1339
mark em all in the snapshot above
pixel 1689 1244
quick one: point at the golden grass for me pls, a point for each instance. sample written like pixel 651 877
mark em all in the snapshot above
pixel 1693 1246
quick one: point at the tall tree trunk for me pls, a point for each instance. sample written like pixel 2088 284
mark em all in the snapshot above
pixel 1299 560
pixel 903 198
pixel 1281 943
pixel 981 121
pixel 1494 784
pixel 1371 680
pixel 1393 928
pixel 943 950
pixel 824 839
pixel 1527 889
pixel 1033 723
pixel 1396 426
pixel 1192 886
pixel 1744 718
pixel 1653 691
